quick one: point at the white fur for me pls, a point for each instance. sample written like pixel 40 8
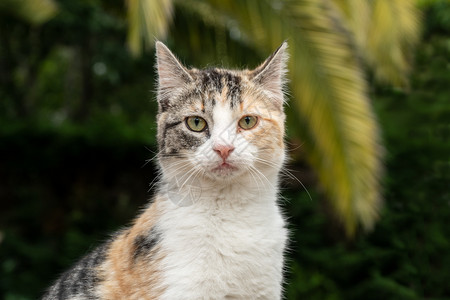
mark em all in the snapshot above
pixel 229 245
pixel 228 241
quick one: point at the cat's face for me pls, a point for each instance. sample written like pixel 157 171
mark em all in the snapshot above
pixel 220 124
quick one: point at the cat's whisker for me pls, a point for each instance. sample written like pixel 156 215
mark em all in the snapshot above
pixel 296 148
pixel 154 182
pixel 170 155
pixel 252 170
pixel 173 172
pixel 177 163
pixel 274 165
pixel 155 155
pixel 147 162
pixel 159 154
pixel 263 176
pixel 258 186
pixel 193 171
pixel 267 162
pixel 199 171
pixel 286 172
pixel 160 174
pixel 254 178
pixel 293 177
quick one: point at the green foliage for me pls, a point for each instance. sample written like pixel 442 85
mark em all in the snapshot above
pixel 35 12
pixel 62 192
pixel 71 171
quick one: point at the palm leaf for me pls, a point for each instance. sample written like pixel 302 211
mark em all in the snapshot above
pixel 385 31
pixel 394 31
pixel 357 17
pixel 147 20
pixel 340 130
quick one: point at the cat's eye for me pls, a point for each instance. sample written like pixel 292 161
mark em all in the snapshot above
pixel 248 122
pixel 196 123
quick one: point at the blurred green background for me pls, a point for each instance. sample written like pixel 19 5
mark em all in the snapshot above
pixel 77 124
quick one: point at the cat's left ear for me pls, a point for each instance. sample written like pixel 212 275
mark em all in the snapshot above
pixel 271 74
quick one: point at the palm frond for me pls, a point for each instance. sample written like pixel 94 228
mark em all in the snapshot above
pixel 148 20
pixel 331 94
pixel 385 32
pixel 356 15
pixel 394 31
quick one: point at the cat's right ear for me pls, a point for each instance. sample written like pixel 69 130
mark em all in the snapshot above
pixel 271 75
pixel 171 73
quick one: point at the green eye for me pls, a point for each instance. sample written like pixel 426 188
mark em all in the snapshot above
pixel 196 123
pixel 248 122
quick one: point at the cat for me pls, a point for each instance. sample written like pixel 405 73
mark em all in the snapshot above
pixel 214 229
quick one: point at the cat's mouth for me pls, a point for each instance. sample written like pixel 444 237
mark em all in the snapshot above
pixel 225 168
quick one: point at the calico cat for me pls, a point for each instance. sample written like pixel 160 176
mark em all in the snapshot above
pixel 214 229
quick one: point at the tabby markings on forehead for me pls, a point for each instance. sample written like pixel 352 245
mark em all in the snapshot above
pixel 234 90
pixel 208 82
pixel 195 95
pixel 211 80
pixel 215 81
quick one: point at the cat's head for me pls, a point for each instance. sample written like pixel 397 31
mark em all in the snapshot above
pixel 220 124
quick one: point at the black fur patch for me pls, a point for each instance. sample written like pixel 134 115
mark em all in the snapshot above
pixel 176 139
pixel 162 138
pixel 190 140
pixel 143 244
pixel 81 280
pixel 234 89
pixel 170 125
pixel 212 80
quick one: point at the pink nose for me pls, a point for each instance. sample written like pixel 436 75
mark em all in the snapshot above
pixel 223 150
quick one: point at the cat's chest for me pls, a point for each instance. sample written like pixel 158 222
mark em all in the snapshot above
pixel 231 252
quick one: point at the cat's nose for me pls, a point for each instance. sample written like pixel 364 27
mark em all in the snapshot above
pixel 223 150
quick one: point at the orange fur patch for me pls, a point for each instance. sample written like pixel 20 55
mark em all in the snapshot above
pixel 125 277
